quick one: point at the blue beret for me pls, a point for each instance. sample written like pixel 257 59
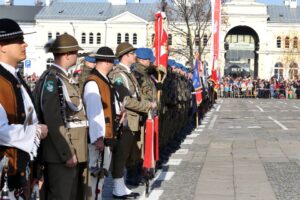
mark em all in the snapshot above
pixel 171 62
pixel 145 54
pixel 90 59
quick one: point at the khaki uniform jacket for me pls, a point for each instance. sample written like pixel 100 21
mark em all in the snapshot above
pixel 62 143
pixel 129 93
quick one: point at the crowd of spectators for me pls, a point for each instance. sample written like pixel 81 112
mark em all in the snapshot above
pixel 259 88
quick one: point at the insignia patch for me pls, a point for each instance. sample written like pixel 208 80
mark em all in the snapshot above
pixel 49 86
pixel 118 81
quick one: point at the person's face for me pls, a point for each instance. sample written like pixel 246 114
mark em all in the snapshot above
pixel 14 51
pixel 131 56
pixel 72 58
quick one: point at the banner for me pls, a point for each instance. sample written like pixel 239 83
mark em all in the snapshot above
pixel 197 83
pixel 161 40
pixel 216 25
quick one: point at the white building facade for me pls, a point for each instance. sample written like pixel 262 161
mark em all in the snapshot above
pixel 259 40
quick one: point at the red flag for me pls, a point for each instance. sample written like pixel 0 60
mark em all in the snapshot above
pixel 161 40
pixel 216 25
pixel 148 145
pixel 214 74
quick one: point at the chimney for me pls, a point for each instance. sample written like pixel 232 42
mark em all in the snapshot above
pixel 286 2
pixel 38 3
pixel 48 2
pixel 293 3
pixel 117 2
pixel 9 2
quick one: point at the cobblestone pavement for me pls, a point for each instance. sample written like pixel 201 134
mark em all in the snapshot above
pixel 244 149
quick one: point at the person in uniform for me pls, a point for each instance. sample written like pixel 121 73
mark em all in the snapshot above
pixel 102 108
pixel 20 131
pixel 88 64
pixel 142 71
pixel 129 93
pixel 64 152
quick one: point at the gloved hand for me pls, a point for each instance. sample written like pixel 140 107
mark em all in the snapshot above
pixel 163 71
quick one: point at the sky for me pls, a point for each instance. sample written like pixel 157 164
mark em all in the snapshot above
pixel 31 2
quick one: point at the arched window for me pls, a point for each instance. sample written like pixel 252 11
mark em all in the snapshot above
pixel 170 42
pixel 49 61
pixel 134 38
pixel 98 38
pixel 287 42
pixel 153 38
pixel 278 42
pixel 295 43
pixel 278 70
pixel 91 38
pixel 119 38
pixel 126 37
pixel 49 35
pixel 293 71
pixel 83 38
pixel 205 40
pixel 57 34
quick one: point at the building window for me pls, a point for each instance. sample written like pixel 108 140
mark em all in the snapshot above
pixel 57 34
pixel 197 40
pixel 49 61
pixel 287 42
pixel 153 38
pixel 119 38
pixel 278 70
pixel 205 40
pixel 295 43
pixel 170 39
pixel 293 71
pixel 91 38
pixel 49 36
pixel 278 42
pixel 83 38
pixel 126 37
pixel 134 39
pixel 98 38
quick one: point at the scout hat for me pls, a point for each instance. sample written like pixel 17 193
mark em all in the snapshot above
pixel 64 43
pixel 105 53
pixel 10 30
pixel 145 54
pixel 123 49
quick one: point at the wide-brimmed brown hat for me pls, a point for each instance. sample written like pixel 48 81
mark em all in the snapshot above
pixel 10 30
pixel 104 53
pixel 64 43
pixel 124 48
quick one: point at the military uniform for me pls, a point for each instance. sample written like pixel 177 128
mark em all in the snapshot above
pixel 59 105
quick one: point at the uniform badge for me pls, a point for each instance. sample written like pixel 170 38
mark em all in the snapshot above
pixel 119 81
pixel 49 86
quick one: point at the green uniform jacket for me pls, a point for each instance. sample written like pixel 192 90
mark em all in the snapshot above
pixel 129 93
pixel 61 142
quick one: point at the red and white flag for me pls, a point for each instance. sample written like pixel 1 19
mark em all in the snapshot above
pixel 215 48
pixel 161 40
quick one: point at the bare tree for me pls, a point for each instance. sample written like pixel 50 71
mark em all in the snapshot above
pixel 189 21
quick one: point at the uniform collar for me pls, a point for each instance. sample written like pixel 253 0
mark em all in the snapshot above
pixel 126 67
pixel 10 68
pixel 61 69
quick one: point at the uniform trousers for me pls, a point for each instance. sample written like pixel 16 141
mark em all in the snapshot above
pixel 127 149
pixel 65 183
pixel 93 161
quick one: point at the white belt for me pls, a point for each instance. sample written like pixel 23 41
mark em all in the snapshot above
pixel 77 124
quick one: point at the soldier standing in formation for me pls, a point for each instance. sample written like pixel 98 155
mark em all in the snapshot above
pixel 102 108
pixel 127 150
pixel 65 149
pixel 20 133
